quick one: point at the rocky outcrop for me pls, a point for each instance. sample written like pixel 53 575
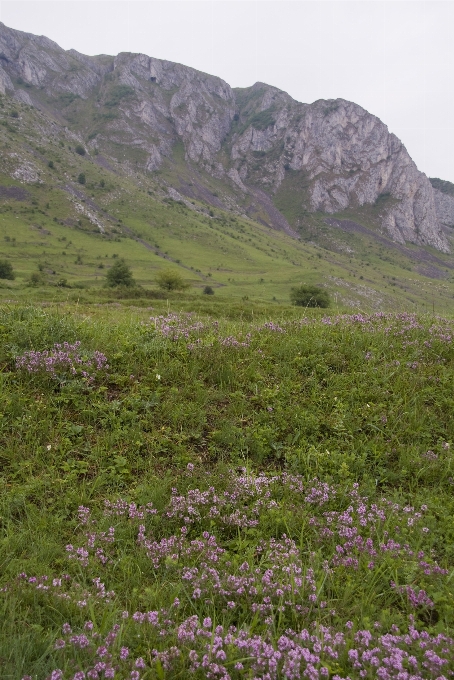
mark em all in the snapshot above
pixel 346 158
pixel 444 201
pixel 330 155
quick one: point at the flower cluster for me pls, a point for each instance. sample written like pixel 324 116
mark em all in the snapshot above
pixel 64 359
pixel 276 599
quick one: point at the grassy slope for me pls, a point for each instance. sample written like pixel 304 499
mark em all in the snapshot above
pixel 366 402
pixel 236 256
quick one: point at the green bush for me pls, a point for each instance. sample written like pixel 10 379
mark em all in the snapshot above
pixel 6 270
pixel 208 290
pixel 36 279
pixel 310 296
pixel 117 93
pixel 81 179
pixel 120 275
pixel 80 150
pixel 169 279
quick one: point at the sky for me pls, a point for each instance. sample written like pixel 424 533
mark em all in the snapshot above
pixel 394 58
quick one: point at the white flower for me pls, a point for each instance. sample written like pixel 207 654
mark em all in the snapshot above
pixel 48 447
pixel 158 377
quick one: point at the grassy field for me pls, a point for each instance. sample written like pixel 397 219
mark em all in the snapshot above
pixel 243 491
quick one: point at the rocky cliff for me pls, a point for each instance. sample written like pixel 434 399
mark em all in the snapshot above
pixel 264 149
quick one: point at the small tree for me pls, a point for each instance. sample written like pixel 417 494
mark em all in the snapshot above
pixel 81 178
pixel 309 296
pixel 80 150
pixel 208 290
pixel 169 279
pixel 120 275
pixel 6 270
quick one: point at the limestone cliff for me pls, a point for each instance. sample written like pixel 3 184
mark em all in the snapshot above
pixel 258 142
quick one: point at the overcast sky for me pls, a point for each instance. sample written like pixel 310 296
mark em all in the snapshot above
pixel 394 58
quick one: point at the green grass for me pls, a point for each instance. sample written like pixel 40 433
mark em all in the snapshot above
pixel 348 400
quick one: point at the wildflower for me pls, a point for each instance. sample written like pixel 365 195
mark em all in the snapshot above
pixel 48 447
pixel 158 377
pixel 124 653
pixel 59 644
pixel 140 663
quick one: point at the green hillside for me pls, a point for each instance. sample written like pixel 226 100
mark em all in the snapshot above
pixel 61 236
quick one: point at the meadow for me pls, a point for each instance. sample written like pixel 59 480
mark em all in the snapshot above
pixel 240 491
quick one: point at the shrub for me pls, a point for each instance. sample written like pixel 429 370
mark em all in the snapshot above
pixel 169 279
pixel 309 296
pixel 208 290
pixel 81 179
pixel 118 93
pixel 120 275
pixel 80 150
pixel 36 279
pixel 6 270
pixel 14 114
pixel 50 164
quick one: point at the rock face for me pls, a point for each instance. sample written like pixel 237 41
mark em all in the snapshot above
pixel 444 201
pixel 257 142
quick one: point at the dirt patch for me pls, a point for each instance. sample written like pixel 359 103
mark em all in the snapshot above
pixel 429 260
pixel 104 163
pixel 18 193
pixel 431 272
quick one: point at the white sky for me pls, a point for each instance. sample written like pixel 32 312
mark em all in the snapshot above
pixel 394 58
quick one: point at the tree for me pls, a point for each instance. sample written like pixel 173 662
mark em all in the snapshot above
pixel 120 275
pixel 81 178
pixel 208 290
pixel 169 279
pixel 6 270
pixel 80 150
pixel 309 296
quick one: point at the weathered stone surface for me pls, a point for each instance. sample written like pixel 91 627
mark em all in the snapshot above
pixel 340 156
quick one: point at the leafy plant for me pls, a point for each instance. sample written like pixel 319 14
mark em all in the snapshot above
pixel 120 274
pixel 309 296
pixel 169 279
pixel 79 149
pixel 6 270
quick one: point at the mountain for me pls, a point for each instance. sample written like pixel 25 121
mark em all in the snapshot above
pixel 245 189
pixel 262 145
